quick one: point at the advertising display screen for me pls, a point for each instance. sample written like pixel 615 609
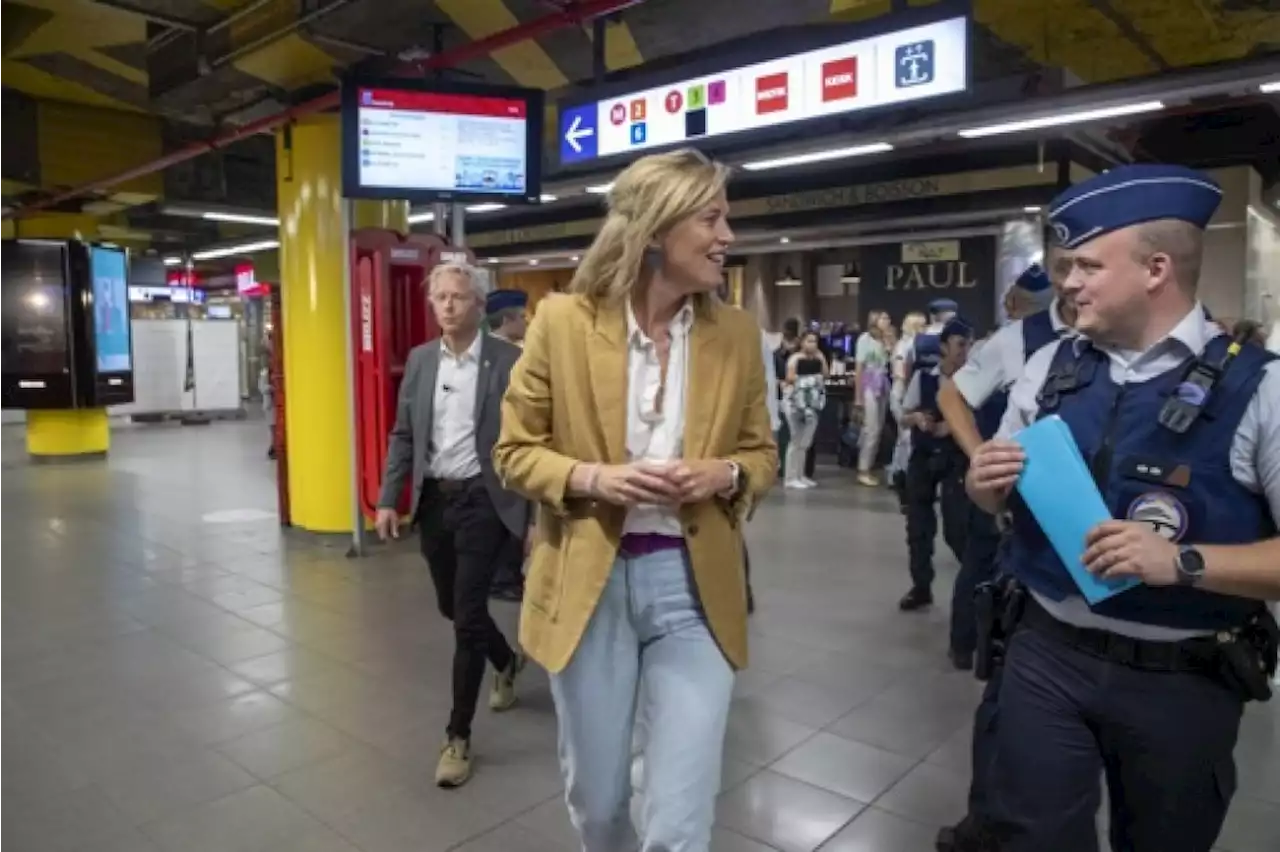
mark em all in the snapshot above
pixel 36 340
pixel 899 67
pixel 110 309
pixel 422 142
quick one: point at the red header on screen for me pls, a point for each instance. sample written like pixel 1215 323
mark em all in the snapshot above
pixel 442 102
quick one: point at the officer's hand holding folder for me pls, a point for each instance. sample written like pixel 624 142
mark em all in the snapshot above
pixel 1060 492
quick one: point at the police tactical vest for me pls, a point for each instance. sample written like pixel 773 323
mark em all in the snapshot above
pixel 921 440
pixel 1037 332
pixel 927 351
pixel 1181 484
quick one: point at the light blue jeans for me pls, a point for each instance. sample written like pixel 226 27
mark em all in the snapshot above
pixel 648 652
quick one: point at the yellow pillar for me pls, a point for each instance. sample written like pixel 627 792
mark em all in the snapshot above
pixel 65 434
pixel 318 428
pixel 393 215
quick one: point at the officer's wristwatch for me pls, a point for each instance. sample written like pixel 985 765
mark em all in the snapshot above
pixel 1190 565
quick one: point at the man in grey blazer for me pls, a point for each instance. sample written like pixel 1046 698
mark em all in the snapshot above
pixel 447 422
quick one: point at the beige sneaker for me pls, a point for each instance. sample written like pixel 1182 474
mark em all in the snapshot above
pixel 503 695
pixel 454 768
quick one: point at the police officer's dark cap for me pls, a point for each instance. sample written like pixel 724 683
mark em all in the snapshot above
pixel 1034 279
pixel 1131 195
pixel 956 327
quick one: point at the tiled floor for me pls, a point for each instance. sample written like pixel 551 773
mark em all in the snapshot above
pixel 178 675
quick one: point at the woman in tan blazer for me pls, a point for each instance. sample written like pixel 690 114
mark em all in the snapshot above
pixel 636 420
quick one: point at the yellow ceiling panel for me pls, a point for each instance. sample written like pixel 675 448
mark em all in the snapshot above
pixel 1068 34
pixel 289 63
pixel 1206 31
pixel 526 62
pixel 76 24
pixel 39 84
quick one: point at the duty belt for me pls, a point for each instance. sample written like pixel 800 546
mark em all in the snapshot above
pixel 1189 655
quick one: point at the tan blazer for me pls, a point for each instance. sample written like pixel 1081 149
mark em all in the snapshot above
pixel 567 403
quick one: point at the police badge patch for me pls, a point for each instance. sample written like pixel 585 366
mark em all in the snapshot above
pixel 1164 513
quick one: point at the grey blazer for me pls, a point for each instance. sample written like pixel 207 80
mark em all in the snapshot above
pixel 411 436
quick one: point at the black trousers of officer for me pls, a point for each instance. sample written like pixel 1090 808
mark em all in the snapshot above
pixel 978 565
pixel 462 539
pixel 1163 739
pixel 927 473
pixel 973 832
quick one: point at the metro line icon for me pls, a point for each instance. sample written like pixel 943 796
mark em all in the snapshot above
pixel 771 93
pixel 913 64
pixel 840 79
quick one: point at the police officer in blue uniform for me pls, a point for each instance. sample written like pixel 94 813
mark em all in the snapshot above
pixel 936 464
pixel 925 351
pixel 973 403
pixel 1181 430
pixel 983 377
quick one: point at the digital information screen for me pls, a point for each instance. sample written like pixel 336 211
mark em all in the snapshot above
pixel 35 332
pixel 899 67
pixel 110 309
pixel 442 143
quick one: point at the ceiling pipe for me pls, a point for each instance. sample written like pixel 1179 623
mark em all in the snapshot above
pixel 574 15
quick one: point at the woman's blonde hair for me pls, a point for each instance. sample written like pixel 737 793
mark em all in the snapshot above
pixel 651 196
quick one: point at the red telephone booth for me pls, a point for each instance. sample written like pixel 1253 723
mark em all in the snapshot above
pixel 390 316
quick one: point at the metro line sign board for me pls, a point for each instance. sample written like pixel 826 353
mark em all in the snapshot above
pixel 897 67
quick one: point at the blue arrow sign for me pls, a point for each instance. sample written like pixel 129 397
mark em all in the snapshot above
pixel 578 137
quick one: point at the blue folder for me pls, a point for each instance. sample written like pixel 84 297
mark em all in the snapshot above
pixel 1059 490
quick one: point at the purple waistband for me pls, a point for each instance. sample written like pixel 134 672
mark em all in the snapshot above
pixel 643 544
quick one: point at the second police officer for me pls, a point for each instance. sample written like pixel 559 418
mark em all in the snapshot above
pixel 980 388
pixel 1181 430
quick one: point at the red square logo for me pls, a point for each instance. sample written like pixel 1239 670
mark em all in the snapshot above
pixel 840 79
pixel 637 110
pixel 771 93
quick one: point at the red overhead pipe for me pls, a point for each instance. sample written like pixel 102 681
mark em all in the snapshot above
pixel 571 15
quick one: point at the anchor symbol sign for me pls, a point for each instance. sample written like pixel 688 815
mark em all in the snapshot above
pixel 913 64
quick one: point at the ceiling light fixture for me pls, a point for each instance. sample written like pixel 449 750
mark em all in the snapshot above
pixel 419 218
pixel 1271 88
pixel 600 189
pixel 784 240
pixel 787 280
pixel 818 156
pixel 533 262
pixel 1031 208
pixel 230 251
pixel 485 208
pixel 1061 118
pixel 173 261
pixel 575 258
pixel 213 216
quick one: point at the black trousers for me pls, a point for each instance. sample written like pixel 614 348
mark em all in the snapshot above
pixel 462 539
pixel 978 565
pixel 1164 741
pixel 510 570
pixel 927 474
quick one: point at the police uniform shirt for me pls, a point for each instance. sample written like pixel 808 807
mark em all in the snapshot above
pixel 1255 449
pixel 998 361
